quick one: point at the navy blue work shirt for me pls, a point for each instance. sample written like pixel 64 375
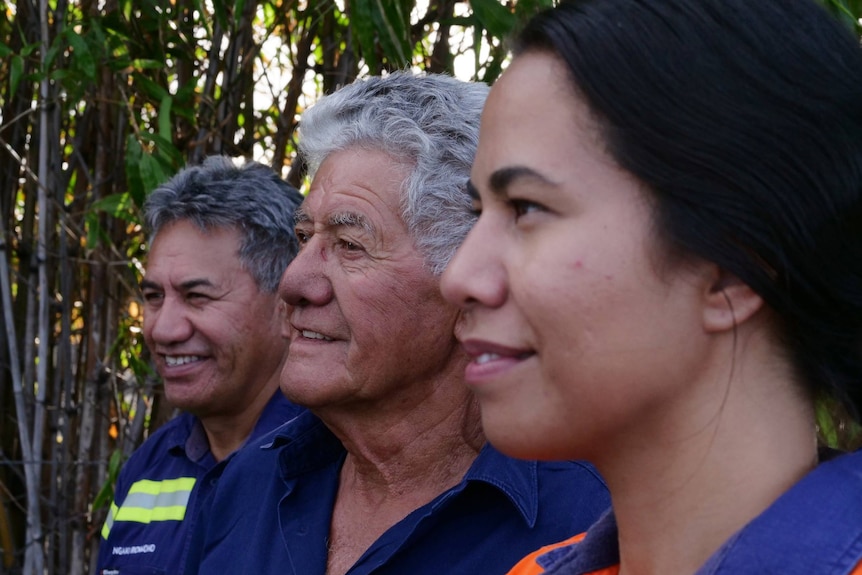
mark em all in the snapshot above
pixel 160 491
pixel 814 528
pixel 272 510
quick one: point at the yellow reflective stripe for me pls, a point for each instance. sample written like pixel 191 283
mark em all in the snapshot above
pixel 109 520
pixel 146 515
pixel 149 501
pixel 166 486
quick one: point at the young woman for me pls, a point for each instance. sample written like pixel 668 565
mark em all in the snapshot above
pixel 666 274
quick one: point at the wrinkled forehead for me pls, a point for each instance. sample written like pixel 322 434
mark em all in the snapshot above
pixel 356 187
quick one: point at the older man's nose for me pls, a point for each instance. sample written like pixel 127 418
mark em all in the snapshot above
pixel 305 281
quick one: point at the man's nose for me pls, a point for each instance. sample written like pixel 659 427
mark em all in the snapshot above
pixel 305 281
pixel 169 324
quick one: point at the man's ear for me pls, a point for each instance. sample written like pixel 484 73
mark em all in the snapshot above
pixel 728 302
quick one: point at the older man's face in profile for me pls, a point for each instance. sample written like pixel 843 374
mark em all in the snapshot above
pixel 368 321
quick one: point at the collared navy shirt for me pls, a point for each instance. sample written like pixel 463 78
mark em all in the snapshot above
pixel 177 453
pixel 815 528
pixel 272 510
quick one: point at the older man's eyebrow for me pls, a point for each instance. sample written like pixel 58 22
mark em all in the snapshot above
pixel 350 219
pixel 300 216
pixel 501 179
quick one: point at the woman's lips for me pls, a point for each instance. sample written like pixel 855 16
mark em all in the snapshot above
pixel 489 360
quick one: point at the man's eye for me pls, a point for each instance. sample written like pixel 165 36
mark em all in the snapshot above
pixel 302 237
pixel 153 296
pixel 197 296
pixel 350 246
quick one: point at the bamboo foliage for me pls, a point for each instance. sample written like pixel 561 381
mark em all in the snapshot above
pixel 100 101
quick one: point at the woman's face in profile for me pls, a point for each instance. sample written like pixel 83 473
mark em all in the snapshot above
pixel 577 328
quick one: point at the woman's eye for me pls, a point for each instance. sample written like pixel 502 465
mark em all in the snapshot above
pixel 524 207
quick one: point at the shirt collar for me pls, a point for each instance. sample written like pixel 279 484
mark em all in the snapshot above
pixel 306 444
pixel 189 437
pixel 598 550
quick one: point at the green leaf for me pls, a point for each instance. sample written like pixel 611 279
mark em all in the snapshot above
pixel 269 15
pixel 826 424
pixel 106 493
pixel 165 130
pixel 152 173
pixel 117 205
pixel 126 8
pixel 53 50
pixel 220 13
pixel 144 64
pixel 95 234
pixel 165 149
pixel 81 55
pixel 133 172
pixel 4 50
pixel 16 70
pixel 392 19
pixel 362 22
pixel 494 17
pixel 842 11
pixel 152 89
pixel 237 12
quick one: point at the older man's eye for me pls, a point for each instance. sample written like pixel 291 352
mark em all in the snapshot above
pixel 301 236
pixel 349 245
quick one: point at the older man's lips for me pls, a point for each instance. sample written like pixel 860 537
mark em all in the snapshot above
pixel 490 360
pixel 304 334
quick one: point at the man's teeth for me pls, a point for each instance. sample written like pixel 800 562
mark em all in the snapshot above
pixel 314 335
pixel 174 360
pixel 486 357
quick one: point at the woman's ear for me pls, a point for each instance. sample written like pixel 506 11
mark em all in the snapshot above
pixel 729 302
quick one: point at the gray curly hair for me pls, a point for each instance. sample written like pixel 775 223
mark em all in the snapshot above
pixel 427 121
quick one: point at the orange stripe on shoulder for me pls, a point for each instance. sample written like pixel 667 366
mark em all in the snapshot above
pixel 528 565
pixel 857 570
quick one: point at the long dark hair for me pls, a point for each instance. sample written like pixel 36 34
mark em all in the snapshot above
pixel 744 119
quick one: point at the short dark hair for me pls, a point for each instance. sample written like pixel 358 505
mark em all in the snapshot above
pixel 744 119
pixel 250 197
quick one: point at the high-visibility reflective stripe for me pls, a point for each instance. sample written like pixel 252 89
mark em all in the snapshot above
pixel 150 500
pixel 164 486
pixel 109 520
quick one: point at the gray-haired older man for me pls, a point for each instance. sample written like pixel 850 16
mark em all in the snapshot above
pixel 220 237
pixel 389 472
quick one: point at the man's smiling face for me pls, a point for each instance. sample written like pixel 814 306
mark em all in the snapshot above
pixel 214 336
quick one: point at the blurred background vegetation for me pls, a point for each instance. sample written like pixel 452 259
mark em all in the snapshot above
pixel 102 100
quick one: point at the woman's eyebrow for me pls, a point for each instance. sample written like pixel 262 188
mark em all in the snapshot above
pixel 501 179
